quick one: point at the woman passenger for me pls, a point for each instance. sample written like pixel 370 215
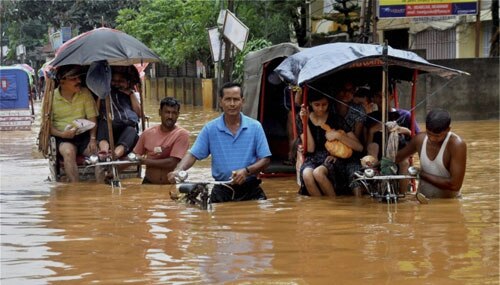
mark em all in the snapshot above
pixel 318 163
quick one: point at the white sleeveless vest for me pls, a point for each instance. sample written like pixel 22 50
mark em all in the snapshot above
pixel 435 167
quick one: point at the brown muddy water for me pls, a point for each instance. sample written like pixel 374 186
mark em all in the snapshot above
pixel 55 233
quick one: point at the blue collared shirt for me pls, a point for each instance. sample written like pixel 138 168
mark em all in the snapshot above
pixel 231 152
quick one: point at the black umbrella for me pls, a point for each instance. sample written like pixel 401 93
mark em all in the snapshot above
pixel 116 47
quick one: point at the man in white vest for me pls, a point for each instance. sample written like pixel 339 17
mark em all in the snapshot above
pixel 443 157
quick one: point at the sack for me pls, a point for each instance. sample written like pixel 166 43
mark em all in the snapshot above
pixel 336 147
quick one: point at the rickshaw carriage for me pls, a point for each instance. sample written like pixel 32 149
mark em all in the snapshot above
pixel 323 68
pixel 16 99
pixel 100 49
pixel 86 167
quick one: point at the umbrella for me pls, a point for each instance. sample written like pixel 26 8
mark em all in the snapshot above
pixel 26 67
pixel 116 47
pixel 313 63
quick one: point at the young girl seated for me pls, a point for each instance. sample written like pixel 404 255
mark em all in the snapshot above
pixel 319 164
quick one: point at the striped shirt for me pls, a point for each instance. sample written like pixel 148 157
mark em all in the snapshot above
pixel 64 112
pixel 231 152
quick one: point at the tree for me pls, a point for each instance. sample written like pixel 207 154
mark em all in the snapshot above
pixel 175 29
pixel 345 13
pixel 27 22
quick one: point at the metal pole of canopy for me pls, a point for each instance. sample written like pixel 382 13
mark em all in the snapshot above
pixel 116 180
pixel 413 126
pixel 413 101
pixel 305 93
pixel 292 108
pixel 385 97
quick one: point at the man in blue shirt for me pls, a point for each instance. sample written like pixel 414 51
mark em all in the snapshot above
pixel 238 147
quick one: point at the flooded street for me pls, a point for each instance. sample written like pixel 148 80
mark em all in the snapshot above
pixel 55 233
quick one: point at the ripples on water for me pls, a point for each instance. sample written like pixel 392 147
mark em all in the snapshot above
pixel 53 233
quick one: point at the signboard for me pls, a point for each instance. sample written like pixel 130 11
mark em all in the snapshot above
pixel 221 18
pixel 66 34
pixel 425 8
pixel 20 50
pixel 56 40
pixel 235 31
pixel 215 41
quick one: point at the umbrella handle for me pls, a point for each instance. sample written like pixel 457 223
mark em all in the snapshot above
pixel 110 127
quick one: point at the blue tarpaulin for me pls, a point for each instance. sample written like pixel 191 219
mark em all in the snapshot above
pixel 319 61
pixel 14 88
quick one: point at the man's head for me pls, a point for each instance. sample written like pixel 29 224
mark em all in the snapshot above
pixel 169 112
pixel 377 97
pixel 438 121
pixel 437 124
pixel 362 96
pixel 231 98
pixel 346 93
pixel 69 77
pixel 119 81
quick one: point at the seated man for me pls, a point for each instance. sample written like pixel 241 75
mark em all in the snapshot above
pixel 163 146
pixel 126 110
pixel 443 157
pixel 71 102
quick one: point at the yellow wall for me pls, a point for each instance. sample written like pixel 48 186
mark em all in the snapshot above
pixel 466 39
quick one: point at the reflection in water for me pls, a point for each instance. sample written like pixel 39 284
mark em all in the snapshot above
pixel 53 233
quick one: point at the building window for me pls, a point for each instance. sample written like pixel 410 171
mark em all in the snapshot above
pixel 438 44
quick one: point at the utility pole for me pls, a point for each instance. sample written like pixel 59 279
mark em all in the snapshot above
pixel 228 61
pixel 1 32
pixel 478 29
pixel 375 20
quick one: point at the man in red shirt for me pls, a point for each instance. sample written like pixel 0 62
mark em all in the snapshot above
pixel 161 147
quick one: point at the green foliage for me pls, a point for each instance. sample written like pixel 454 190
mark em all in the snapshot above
pixel 175 29
pixel 27 22
pixel 268 20
pixel 252 45
pixel 345 12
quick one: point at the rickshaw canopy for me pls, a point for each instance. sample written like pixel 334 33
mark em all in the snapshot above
pixel 323 60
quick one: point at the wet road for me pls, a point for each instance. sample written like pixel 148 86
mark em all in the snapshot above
pixel 54 233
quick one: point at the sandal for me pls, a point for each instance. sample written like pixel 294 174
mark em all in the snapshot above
pixel 104 155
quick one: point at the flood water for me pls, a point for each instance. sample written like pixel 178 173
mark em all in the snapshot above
pixel 55 233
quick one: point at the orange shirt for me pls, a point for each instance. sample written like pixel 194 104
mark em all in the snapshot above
pixel 157 144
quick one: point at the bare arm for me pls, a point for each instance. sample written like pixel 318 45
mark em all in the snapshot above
pixel 169 162
pixel 136 106
pixel 358 131
pixel 410 148
pixel 93 132
pixel 457 168
pixel 67 134
pixel 304 115
pixel 370 133
pixel 310 141
pixel 187 161
pixel 349 139
pixel 240 175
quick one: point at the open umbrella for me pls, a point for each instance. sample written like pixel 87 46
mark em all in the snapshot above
pixel 116 47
